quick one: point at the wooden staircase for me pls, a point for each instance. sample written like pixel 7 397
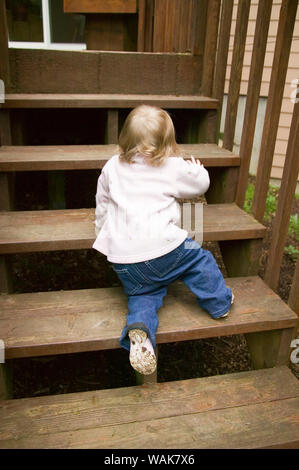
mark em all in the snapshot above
pixel 253 409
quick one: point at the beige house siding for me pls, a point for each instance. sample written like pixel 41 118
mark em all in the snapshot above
pixel 293 73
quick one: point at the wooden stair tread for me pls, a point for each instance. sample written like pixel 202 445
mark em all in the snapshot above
pixel 45 323
pixel 75 157
pixel 67 100
pixel 254 409
pixel 73 229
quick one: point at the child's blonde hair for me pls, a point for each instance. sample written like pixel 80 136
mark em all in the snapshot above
pixel 148 131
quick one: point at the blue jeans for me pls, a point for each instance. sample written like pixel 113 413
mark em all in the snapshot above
pixel 145 285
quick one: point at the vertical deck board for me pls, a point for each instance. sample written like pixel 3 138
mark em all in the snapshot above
pixel 236 73
pixel 252 100
pixel 277 82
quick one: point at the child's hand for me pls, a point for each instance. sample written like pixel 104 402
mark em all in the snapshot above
pixel 196 162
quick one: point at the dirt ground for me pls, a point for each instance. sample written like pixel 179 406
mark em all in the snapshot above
pixel 108 369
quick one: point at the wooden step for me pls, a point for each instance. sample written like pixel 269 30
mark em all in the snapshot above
pixel 46 323
pixel 94 157
pixel 73 229
pixel 63 100
pixel 255 409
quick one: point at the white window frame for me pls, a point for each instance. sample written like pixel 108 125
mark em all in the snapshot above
pixel 46 44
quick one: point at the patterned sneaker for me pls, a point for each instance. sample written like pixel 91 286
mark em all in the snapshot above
pixel 226 314
pixel 142 355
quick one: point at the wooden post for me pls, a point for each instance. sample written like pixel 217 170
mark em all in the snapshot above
pixel 241 257
pixel 210 47
pixel 6 285
pixel 223 185
pixel 6 200
pixel 4 53
pixel 112 126
pixel 222 54
pixel 294 293
pixel 145 26
pixel 278 75
pixel 236 73
pixel 270 348
pixel 5 382
pixel 56 190
pixel 284 206
pixel 252 99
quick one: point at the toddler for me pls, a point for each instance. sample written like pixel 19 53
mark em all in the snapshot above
pixel 137 227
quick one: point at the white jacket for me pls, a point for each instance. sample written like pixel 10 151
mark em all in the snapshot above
pixel 137 215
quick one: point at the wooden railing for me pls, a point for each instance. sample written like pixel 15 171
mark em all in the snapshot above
pixel 277 83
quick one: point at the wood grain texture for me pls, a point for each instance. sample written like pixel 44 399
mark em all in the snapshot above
pixel 253 94
pixel 209 57
pixel 284 205
pixel 277 83
pixel 145 25
pixel 241 257
pixel 84 157
pixel 92 319
pixel 45 100
pixel 112 126
pixel 73 229
pixel 175 26
pixel 270 348
pixel 245 410
pixel 236 73
pixel 222 52
pixel 37 71
pixel 100 6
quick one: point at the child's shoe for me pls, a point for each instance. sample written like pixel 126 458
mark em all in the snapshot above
pixel 226 314
pixel 142 355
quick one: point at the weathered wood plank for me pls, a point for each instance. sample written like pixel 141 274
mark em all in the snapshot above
pixel 111 32
pixel 28 322
pixel 241 257
pixel 210 47
pixel 86 410
pixel 284 205
pixel 255 426
pixel 277 82
pixel 252 100
pixel 100 6
pixel 223 185
pixel 45 100
pixel 249 409
pixel 38 71
pixel 73 229
pixel 145 25
pixel 112 126
pixel 75 157
pixel 236 73
pixel 222 52
pixel 270 348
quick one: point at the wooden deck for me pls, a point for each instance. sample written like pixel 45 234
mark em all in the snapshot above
pixel 73 229
pixel 94 157
pixel 64 100
pixel 254 409
pixel 62 322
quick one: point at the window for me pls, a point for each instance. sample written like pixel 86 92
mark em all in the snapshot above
pixel 42 24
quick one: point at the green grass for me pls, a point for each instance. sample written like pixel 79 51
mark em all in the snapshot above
pixel 294 226
pixel 271 201
pixel 270 209
pixel 292 252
